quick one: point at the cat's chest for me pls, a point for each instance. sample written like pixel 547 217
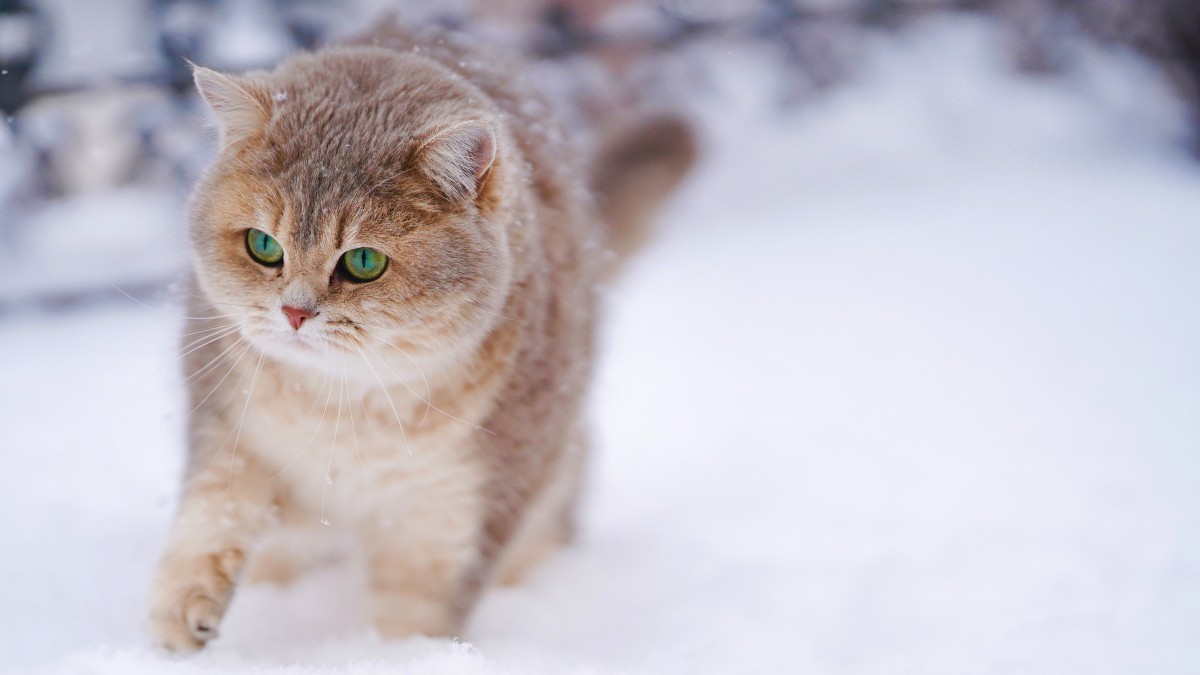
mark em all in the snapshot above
pixel 348 452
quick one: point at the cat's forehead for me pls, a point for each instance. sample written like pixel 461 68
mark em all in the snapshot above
pixel 338 183
pixel 339 150
pixel 322 217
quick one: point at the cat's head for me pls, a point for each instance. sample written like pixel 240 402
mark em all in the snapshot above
pixel 358 207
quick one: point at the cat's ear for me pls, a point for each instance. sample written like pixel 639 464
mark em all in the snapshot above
pixel 457 158
pixel 241 105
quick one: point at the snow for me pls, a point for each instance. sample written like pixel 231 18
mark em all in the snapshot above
pixel 125 236
pixel 908 384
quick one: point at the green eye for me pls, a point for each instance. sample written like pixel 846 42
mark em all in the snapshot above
pixel 364 264
pixel 263 247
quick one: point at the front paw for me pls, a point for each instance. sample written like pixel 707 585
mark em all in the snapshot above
pixel 398 617
pixel 189 599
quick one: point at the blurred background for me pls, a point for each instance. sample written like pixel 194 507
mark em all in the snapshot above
pixel 98 101
pixel 907 380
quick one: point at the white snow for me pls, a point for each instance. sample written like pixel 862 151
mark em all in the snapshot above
pixel 93 240
pixel 909 383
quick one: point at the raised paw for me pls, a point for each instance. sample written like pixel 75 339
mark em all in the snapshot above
pixel 189 599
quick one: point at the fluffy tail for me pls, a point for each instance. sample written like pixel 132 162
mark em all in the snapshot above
pixel 636 169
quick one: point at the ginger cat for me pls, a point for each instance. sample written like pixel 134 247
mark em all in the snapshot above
pixel 391 325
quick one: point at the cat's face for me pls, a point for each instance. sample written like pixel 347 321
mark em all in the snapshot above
pixel 349 219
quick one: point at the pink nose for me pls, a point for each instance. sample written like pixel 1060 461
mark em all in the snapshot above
pixel 296 316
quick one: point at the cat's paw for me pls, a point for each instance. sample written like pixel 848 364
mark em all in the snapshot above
pixel 187 625
pixel 189 600
pixel 397 617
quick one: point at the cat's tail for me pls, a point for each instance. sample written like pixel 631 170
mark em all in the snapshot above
pixel 636 168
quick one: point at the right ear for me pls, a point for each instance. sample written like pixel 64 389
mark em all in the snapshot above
pixel 242 106
pixel 457 157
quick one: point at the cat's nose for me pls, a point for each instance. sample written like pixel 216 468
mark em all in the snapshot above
pixel 297 315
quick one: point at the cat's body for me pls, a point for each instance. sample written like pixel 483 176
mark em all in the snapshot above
pixel 433 415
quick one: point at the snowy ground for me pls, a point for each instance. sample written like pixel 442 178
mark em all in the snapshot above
pixel 910 383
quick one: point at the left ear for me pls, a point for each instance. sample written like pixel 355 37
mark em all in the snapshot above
pixel 457 158
pixel 241 105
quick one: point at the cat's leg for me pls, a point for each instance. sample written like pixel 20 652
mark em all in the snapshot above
pixel 222 512
pixel 286 556
pixel 531 546
pixel 549 521
pixel 297 546
pixel 422 559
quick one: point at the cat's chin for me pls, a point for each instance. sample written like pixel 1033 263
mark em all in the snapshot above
pixel 317 355
pixel 300 350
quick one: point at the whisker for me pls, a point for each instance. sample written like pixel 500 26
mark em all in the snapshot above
pixel 329 464
pixel 350 410
pixel 220 332
pixel 426 401
pixel 389 397
pixel 218 384
pixel 249 395
pixel 215 361
pixel 217 302
pixel 428 389
pixel 209 339
pixel 224 403
pixel 163 311
pixel 209 329
pixel 328 378
pixel 364 326
pixel 121 401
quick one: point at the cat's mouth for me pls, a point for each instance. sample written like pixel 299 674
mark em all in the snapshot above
pixel 311 341
pixel 308 341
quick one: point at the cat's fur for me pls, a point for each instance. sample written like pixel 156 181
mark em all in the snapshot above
pixel 434 415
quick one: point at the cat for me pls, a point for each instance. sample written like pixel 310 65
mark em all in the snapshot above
pixel 391 325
